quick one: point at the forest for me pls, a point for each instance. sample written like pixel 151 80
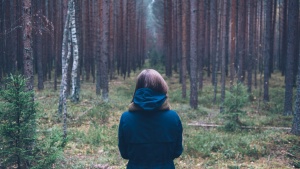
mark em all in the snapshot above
pixel 68 71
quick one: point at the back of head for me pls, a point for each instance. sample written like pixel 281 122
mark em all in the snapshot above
pixel 150 78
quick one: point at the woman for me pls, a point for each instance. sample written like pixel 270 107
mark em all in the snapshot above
pixel 150 134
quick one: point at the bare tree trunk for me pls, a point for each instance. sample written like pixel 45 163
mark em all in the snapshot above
pixel 184 49
pixel 75 86
pixel 104 49
pixel 223 22
pixel 233 41
pixel 193 57
pixel 66 54
pixel 292 38
pixel 27 40
pixel 267 48
pixel 201 42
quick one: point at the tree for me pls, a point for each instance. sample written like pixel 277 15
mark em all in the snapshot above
pixel 267 48
pixel 104 48
pixel 292 37
pixel 75 77
pixel 233 41
pixel 201 41
pixel 20 146
pixel 27 40
pixel 296 121
pixel 241 39
pixel 184 48
pixel 194 55
pixel 66 53
pixel 17 124
pixel 223 52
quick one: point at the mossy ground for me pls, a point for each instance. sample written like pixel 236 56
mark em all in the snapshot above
pixel 93 128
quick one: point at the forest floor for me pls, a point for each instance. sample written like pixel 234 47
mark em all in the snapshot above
pixel 93 128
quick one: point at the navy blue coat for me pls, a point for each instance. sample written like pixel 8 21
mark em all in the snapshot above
pixel 150 135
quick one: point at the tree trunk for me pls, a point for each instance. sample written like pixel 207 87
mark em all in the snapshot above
pixel 233 41
pixel 296 121
pixel 292 38
pixel 66 54
pixel 72 25
pixel 193 57
pixel 267 48
pixel 223 54
pixel 201 42
pixel 27 40
pixel 104 48
pixel 184 49
pixel 241 39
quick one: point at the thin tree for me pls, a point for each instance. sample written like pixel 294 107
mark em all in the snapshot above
pixel 296 121
pixel 66 53
pixel 223 51
pixel 75 81
pixel 193 57
pixel 267 49
pixel 105 48
pixel 27 40
pixel 233 41
pixel 201 41
pixel 184 49
pixel 292 37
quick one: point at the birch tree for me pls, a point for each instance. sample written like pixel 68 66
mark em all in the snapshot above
pixel 75 81
pixel 66 53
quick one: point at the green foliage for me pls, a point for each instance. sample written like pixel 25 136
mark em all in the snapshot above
pixel 100 113
pixel 229 146
pixel 235 100
pixel 49 148
pixel 17 123
pixel 156 59
pixel 20 144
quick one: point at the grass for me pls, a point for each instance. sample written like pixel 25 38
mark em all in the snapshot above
pixel 93 128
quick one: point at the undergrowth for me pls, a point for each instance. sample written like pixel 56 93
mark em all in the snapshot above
pixel 93 128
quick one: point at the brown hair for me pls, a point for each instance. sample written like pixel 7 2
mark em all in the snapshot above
pixel 150 78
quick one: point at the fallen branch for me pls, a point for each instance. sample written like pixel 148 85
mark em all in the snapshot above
pixel 243 127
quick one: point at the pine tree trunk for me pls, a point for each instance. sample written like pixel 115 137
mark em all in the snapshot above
pixel 233 41
pixel 296 120
pixel 97 49
pixel 201 42
pixel 184 49
pixel 193 57
pixel 223 55
pixel 292 38
pixel 241 39
pixel 104 48
pixel 267 49
pixel 27 40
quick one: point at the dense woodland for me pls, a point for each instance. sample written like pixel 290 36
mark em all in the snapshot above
pixel 229 42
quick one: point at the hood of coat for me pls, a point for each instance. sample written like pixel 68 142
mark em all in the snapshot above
pixel 148 99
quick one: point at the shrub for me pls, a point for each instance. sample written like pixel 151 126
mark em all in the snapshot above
pixel 235 100
pixel 21 145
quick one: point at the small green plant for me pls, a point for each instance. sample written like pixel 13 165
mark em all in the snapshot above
pixel 235 100
pixel 21 145
pixel 17 123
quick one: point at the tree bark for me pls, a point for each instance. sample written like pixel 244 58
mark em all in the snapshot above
pixel 72 25
pixel 27 40
pixel 66 54
pixel 292 38
pixel 104 49
pixel 184 49
pixel 194 57
pixel 233 41
pixel 267 49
